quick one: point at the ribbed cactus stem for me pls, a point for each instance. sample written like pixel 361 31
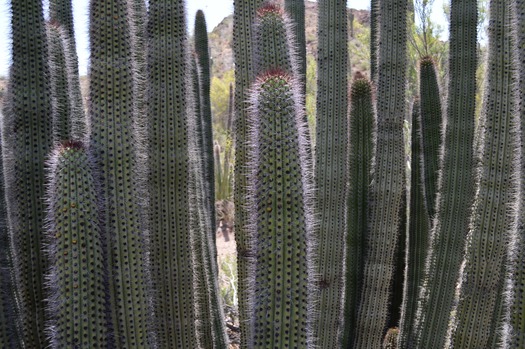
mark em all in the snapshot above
pixel 457 183
pixel 279 213
pixel 391 338
pixel 27 129
pixel 478 319
pixel 274 37
pixel 418 234
pixel 388 189
pixel 76 278
pixel 113 147
pixel 169 66
pixel 374 38
pixel 331 170
pixel 516 335
pixel 362 132
pixel 243 38
pixel 296 12
pixel 431 124
pixel 61 14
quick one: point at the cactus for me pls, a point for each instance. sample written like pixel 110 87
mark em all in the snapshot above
pixel 168 74
pixel 77 275
pixel 388 191
pixel 362 133
pixel 457 184
pixel 280 214
pixel 331 158
pixel 516 334
pixel 296 11
pixel 27 129
pixel 390 341
pixel 418 233
pixel 477 319
pixel 431 123
pixel 243 17
pixel 112 146
pixel 374 38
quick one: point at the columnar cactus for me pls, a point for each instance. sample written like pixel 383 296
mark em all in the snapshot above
pixel 418 234
pixel 477 319
pixel 296 11
pixel 112 145
pixel 27 129
pixel 431 123
pixel 76 278
pixel 457 184
pixel 362 134
pixel 331 170
pixel 388 190
pixel 279 213
pixel 243 18
pixel 390 341
pixel 374 38
pixel 168 179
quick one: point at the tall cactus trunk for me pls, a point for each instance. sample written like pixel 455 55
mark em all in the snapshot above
pixel 113 147
pixel 27 129
pixel 418 234
pixel 77 275
pixel 243 18
pixel 296 10
pixel 362 133
pixel 331 170
pixel 280 214
pixel 481 312
pixel 457 183
pixel 374 38
pixel 386 194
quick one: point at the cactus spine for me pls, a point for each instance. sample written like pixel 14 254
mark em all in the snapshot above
pixel 418 233
pixel 279 212
pixel 296 11
pixel 243 17
pixel 362 133
pixel 478 318
pixel 374 38
pixel 112 113
pixel 388 191
pixel 28 130
pixel 431 123
pixel 391 338
pixel 77 276
pixel 331 158
pixel 168 68
pixel 456 186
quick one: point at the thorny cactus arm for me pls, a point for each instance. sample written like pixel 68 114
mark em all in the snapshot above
pixel 113 147
pixel 27 129
pixel 280 214
pixel 76 279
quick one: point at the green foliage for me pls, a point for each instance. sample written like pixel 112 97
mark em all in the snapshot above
pixel 220 97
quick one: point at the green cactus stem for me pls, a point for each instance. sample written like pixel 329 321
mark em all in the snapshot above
pixel 479 316
pixel 331 172
pixel 431 124
pixel 77 275
pixel 27 129
pixel 113 147
pixel 374 38
pixel 388 190
pixel 243 38
pixel 517 311
pixel 457 184
pixel 168 75
pixel 418 234
pixel 296 10
pixel 391 337
pixel 280 214
pixel 362 133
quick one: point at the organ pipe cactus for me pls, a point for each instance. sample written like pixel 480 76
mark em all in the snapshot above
pixel 431 123
pixel 457 184
pixel 296 11
pixel 331 171
pixel 112 145
pixel 27 129
pixel 386 195
pixel 243 18
pixel 362 134
pixel 280 213
pixel 77 280
pixel 477 319
pixel 418 233
pixel 168 178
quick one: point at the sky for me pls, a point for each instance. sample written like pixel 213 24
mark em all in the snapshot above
pixel 214 10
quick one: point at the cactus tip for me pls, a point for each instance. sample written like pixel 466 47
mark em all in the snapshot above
pixel 427 61
pixel 274 74
pixel 70 144
pixel 269 8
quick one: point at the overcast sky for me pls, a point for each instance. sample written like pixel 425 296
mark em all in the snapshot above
pixel 215 11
